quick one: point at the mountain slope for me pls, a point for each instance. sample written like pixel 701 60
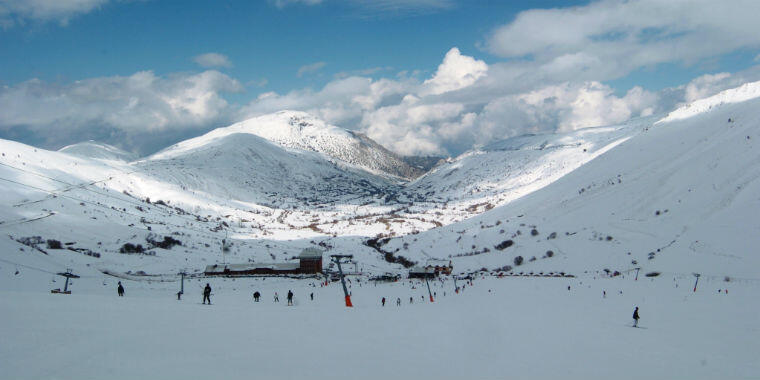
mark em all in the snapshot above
pixel 299 130
pixel 94 149
pixel 679 197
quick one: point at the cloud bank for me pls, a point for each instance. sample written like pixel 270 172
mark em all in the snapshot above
pixel 551 79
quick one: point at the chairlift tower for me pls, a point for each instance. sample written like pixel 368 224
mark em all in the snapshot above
pixel 68 275
pixel 338 259
pixel 428 286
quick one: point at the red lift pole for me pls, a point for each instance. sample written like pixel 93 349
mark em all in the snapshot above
pixel 337 260
pixel 428 286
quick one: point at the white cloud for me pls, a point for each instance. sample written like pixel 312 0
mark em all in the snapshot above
pixel 142 103
pixel 401 7
pixel 208 60
pixel 310 68
pixel 14 12
pixel 705 86
pixel 609 39
pixel 284 3
pixel 457 71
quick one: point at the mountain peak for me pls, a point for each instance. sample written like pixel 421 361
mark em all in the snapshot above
pixel 95 149
pixel 300 130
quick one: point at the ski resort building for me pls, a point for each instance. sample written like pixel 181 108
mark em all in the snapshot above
pixel 309 262
pixel 433 268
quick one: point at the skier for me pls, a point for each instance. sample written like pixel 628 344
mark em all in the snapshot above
pixel 290 298
pixel 120 290
pixel 383 301
pixel 410 300
pixel 276 297
pixel 398 301
pixel 312 296
pixel 207 294
pixel 256 296
pixel 636 317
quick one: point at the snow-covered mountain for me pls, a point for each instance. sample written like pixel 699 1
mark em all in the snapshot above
pixel 669 198
pixel 94 149
pixel 299 130
pixel 676 194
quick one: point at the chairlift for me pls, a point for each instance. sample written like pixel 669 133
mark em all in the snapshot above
pixel 68 276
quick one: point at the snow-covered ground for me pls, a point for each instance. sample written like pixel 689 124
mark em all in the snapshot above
pixel 513 327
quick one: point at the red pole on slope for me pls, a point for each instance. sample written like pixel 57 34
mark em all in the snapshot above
pixel 428 286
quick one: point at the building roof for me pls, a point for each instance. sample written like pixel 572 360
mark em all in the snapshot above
pixel 310 253
pixel 220 268
pixel 419 269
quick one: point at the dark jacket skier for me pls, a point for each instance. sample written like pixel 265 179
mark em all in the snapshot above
pixel 290 298
pixel 383 301
pixel 120 290
pixel 636 317
pixel 207 294
pixel 256 296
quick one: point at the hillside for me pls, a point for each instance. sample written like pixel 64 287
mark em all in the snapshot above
pixel 299 130
pixel 674 194
pixel 678 196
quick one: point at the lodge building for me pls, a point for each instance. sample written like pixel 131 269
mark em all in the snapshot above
pixel 309 262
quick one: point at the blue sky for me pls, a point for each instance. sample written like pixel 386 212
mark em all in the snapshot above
pixel 418 76
pixel 262 40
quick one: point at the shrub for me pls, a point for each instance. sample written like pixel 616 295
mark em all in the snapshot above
pixel 533 232
pixel 552 235
pixel 505 244
pixel 652 274
pixel 518 260
pixel 131 248
pixel 549 253
pixel 54 244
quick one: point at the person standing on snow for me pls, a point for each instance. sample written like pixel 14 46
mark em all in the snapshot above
pixel 120 290
pixel 207 294
pixel 636 317
pixel 398 301
pixel 290 298
pixel 276 297
pixel 383 301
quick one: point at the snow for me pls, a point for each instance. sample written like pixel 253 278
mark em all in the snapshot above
pixel 94 149
pixel 742 93
pixel 522 327
pixel 675 196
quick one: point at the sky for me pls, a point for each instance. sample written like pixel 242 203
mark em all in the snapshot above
pixel 420 77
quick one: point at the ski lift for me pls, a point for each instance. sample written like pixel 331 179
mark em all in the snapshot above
pixel 68 276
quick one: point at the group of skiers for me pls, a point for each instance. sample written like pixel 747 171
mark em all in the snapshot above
pixel 257 296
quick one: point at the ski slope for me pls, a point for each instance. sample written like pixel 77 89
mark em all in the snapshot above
pixel 493 329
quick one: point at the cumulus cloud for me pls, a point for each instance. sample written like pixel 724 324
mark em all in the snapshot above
pixel 310 68
pixel 609 39
pixel 553 80
pixel 457 71
pixel 13 12
pixel 208 60
pixel 139 104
